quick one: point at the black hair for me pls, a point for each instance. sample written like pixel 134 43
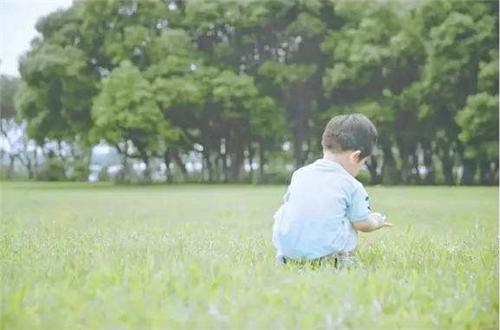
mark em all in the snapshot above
pixel 350 132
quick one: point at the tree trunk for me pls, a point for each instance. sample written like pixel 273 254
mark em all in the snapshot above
pixel 447 167
pixel 306 93
pixel 30 170
pixel 262 158
pixel 180 163
pixel 415 169
pixel 208 163
pixel 240 158
pixel 123 176
pixel 10 172
pixel 487 175
pixel 236 152
pixel 124 162
pixel 390 173
pixel 299 106
pixel 167 159
pixel 430 177
pixel 225 169
pixel 469 172
pixel 372 165
pixel 218 167
pixel 34 166
pixel 251 154
pixel 147 171
pixel 405 169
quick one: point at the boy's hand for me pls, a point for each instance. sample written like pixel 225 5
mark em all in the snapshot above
pixel 373 222
pixel 380 220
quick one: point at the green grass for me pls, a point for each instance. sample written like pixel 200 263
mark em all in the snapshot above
pixel 191 257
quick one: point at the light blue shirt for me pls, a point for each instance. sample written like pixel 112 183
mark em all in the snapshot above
pixel 318 208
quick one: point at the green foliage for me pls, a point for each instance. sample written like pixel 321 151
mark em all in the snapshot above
pixel 120 45
pixel 8 88
pixel 125 109
pixel 256 74
pixel 266 119
pixel 205 15
pixel 234 93
pixel 176 91
pixel 488 74
pixel 54 96
pixel 172 42
pixel 80 170
pixel 306 25
pixel 54 169
pixel 479 122
pixel 287 74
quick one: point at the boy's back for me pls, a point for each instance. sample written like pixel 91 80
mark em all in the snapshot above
pixel 325 205
pixel 314 219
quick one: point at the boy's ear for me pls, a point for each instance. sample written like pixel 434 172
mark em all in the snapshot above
pixel 354 156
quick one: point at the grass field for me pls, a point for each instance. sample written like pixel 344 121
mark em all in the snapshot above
pixel 196 257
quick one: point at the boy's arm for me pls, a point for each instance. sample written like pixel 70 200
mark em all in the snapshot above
pixel 373 222
pixel 359 212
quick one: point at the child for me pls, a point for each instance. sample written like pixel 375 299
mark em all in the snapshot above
pixel 325 205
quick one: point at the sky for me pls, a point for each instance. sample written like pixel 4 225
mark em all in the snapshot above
pixel 17 28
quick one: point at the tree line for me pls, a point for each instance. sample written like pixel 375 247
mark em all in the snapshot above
pixel 254 82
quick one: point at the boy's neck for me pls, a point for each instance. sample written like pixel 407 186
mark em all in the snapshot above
pixel 340 158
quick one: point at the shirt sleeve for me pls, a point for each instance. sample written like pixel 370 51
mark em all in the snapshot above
pixel 359 206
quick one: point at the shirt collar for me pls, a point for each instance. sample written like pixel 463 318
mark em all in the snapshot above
pixel 331 164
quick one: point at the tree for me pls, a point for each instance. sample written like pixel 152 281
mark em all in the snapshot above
pixel 8 119
pixel 230 81
pixel 179 91
pixel 478 121
pixel 375 57
pixel 461 40
pixel 126 115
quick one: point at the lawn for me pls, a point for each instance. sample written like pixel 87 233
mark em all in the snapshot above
pixel 192 257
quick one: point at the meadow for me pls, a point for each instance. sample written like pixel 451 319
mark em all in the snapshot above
pixel 97 256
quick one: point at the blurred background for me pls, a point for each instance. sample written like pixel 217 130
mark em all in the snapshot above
pixel 240 91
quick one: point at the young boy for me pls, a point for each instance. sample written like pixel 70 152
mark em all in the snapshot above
pixel 325 205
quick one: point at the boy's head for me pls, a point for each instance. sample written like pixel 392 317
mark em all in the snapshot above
pixel 351 136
